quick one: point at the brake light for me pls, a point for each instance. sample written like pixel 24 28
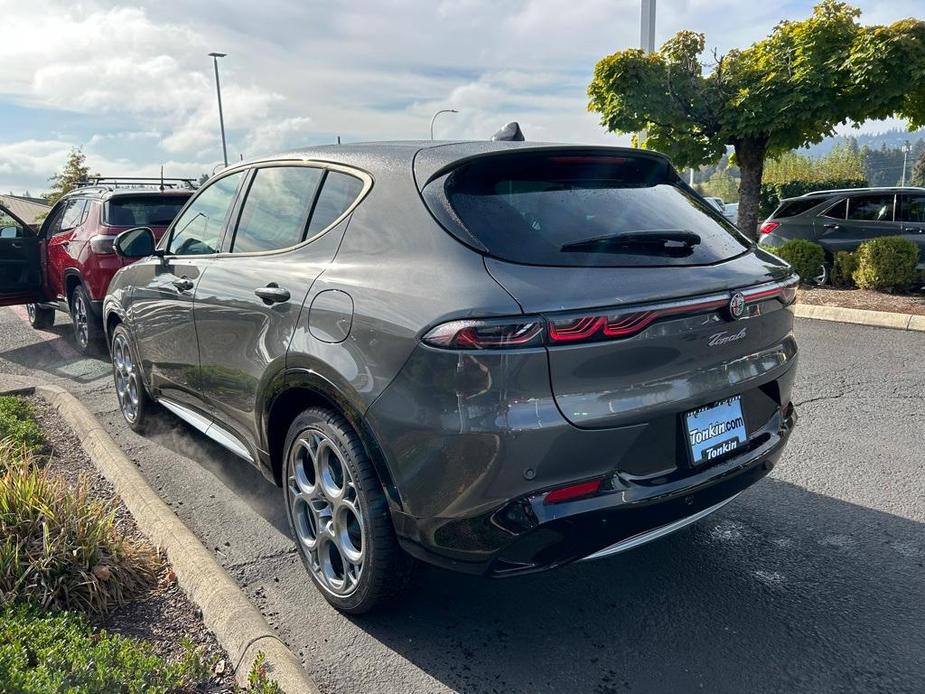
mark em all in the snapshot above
pixel 768 227
pixel 572 492
pixel 488 334
pixel 102 244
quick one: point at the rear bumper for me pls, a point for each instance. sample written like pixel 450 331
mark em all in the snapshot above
pixel 527 535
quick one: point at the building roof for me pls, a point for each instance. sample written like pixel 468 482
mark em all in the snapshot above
pixel 29 210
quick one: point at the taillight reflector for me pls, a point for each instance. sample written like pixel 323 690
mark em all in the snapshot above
pixel 572 492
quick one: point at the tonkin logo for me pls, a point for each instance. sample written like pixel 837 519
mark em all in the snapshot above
pixel 725 337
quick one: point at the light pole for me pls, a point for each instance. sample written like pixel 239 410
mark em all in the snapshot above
pixel 218 92
pixel 906 148
pixel 647 27
pixel 443 110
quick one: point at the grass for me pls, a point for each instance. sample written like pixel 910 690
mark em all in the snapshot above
pixel 18 425
pixel 44 652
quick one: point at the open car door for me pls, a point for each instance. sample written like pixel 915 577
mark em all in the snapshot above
pixel 20 261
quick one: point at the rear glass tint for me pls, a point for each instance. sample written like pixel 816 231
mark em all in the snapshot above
pixel 585 209
pixel 143 210
pixel 791 208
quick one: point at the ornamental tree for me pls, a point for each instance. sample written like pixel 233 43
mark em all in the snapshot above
pixel 786 91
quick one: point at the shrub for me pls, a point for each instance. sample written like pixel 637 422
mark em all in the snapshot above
pixel 887 263
pixel 57 652
pixel 17 423
pixel 804 256
pixel 60 549
pixel 843 269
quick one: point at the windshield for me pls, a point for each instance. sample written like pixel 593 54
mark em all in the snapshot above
pixel 572 209
pixel 143 210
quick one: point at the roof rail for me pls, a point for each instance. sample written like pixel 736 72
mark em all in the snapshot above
pixel 112 182
pixel 859 190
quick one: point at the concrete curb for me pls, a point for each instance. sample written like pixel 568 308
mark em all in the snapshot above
pixel 237 624
pixel 880 319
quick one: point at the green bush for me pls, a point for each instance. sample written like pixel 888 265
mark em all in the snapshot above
pixel 772 193
pixel 61 652
pixel 17 423
pixel 843 270
pixel 886 264
pixel 804 256
pixel 58 548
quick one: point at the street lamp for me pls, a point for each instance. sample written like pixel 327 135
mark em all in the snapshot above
pixel 906 149
pixel 218 92
pixel 443 110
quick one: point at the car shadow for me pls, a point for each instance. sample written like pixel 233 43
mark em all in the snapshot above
pixel 56 354
pixel 784 590
pixel 242 478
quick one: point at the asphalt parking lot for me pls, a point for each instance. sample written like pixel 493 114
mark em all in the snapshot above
pixel 811 581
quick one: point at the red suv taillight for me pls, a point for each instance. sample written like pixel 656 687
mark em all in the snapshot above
pixel 768 227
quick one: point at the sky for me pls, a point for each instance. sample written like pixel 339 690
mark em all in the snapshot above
pixel 133 86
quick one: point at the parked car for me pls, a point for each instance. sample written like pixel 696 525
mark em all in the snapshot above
pixel 495 357
pixel 731 212
pixel 70 259
pixel 841 220
pixel 717 203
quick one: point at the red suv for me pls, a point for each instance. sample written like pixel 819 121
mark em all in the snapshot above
pixel 68 263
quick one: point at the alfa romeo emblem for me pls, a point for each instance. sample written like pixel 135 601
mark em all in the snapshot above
pixel 737 306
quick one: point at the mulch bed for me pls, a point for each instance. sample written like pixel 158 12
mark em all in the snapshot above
pixel 912 304
pixel 164 616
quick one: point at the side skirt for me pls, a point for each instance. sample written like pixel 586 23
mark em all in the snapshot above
pixel 214 431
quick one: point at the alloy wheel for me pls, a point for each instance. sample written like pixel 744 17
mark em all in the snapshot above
pixel 823 276
pixel 81 325
pixel 30 309
pixel 326 512
pixel 126 378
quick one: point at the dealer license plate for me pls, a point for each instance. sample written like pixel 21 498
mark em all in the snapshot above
pixel 716 430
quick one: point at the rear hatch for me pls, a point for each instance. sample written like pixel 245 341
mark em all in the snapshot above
pixel 143 209
pixel 635 275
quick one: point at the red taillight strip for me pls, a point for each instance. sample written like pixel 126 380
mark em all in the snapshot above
pixel 578 330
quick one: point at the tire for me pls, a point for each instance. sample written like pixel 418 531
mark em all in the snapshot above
pixel 824 276
pixel 134 402
pixel 40 318
pixel 339 516
pixel 88 333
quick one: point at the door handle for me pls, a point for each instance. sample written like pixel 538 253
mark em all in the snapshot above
pixel 272 294
pixel 831 226
pixel 16 244
pixel 184 284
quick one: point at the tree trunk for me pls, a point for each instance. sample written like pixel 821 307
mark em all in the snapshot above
pixel 750 155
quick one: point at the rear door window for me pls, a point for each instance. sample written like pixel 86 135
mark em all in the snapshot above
pixel 791 208
pixel 584 209
pixel 871 208
pixel 73 214
pixel 912 209
pixel 142 210
pixel 277 207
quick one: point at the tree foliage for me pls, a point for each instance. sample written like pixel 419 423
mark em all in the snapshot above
pixel 844 162
pixel 75 170
pixel 918 170
pixel 786 91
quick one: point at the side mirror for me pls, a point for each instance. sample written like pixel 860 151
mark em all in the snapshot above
pixel 135 243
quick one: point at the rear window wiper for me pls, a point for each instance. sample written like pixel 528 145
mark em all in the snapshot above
pixel 667 239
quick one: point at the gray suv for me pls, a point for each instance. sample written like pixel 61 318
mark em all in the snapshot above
pixel 495 357
pixel 841 220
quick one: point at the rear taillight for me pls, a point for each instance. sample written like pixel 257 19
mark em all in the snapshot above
pixel 102 244
pixel 536 331
pixel 572 492
pixel 768 227
pixel 488 334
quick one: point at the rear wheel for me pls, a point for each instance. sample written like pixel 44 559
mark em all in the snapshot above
pixel 88 333
pixel 822 278
pixel 134 402
pixel 339 515
pixel 40 318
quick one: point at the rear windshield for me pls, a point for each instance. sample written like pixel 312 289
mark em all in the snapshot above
pixel 791 208
pixel 585 209
pixel 143 210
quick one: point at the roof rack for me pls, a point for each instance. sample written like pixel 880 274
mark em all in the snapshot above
pixel 112 182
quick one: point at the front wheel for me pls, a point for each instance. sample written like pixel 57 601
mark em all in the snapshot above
pixel 40 318
pixel 339 515
pixel 134 402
